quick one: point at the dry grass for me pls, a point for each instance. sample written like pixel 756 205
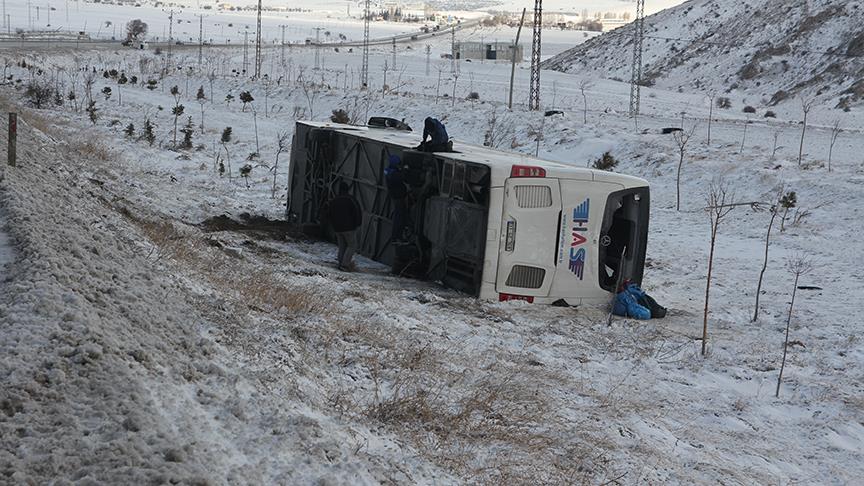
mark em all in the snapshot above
pixel 89 151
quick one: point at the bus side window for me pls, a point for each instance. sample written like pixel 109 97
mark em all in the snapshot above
pixel 476 181
pixel 458 190
pixel 447 179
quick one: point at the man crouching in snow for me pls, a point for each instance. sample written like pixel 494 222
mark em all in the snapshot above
pixel 345 216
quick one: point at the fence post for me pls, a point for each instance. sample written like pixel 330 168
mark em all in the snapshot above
pixel 13 137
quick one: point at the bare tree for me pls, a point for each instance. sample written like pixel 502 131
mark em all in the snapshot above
pixel 681 138
pixel 718 207
pixel 135 30
pixel 536 131
pixel 455 80
pixel 797 266
pixel 806 106
pixel 710 115
pixel 774 210
pixel 776 147
pixel 835 132
pixel 89 79
pixel 584 85
pixel 281 145
pixel 499 130
pixel 311 94
pixel 744 137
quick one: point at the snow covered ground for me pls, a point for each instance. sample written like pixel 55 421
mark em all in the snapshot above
pixel 138 344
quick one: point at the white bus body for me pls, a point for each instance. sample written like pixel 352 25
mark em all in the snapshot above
pixel 553 233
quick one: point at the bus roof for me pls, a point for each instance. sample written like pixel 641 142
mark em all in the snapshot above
pixel 500 162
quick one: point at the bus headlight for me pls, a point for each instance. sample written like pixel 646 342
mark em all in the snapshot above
pixel 510 238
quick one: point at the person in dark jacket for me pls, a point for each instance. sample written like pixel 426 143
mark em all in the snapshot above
pixel 398 192
pixel 436 133
pixel 345 217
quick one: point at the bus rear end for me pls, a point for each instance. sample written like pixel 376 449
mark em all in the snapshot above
pixel 570 236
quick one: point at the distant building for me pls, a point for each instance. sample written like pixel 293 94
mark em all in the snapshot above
pixel 491 51
pixel 612 24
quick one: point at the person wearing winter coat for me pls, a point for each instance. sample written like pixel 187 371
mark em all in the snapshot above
pixel 398 192
pixel 344 214
pixel 436 133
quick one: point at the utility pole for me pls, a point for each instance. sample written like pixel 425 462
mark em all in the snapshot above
pixel 636 75
pixel 364 71
pixel 258 45
pixel 534 98
pixel 4 12
pixel 318 47
pixel 282 47
pixel 453 49
pixel 200 39
pixel 245 52
pixel 513 59
pixel 428 55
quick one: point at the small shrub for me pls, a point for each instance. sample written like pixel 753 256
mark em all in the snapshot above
pixel 188 130
pixel 606 162
pixel 92 112
pixel 245 171
pixel 151 84
pixel 148 135
pixel 749 109
pixel 106 91
pixel 246 98
pixel 724 103
pixel 770 114
pixel 38 93
pixel 473 95
pixel 129 130
pixel 340 116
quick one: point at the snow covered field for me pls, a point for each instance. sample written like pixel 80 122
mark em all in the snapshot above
pixel 139 344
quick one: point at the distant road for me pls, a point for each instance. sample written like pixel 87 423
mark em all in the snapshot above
pixel 25 43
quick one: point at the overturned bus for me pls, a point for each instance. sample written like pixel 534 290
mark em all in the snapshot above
pixel 493 224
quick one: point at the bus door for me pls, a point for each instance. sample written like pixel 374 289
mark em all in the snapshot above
pixel 529 236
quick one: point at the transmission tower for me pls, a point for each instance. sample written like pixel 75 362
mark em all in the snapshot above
pixel 636 76
pixel 258 45
pixel 534 100
pixel 200 39
pixel 364 70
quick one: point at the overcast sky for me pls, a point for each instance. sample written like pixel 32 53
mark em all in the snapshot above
pixel 651 6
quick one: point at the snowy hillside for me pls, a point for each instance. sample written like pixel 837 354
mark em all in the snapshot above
pixel 143 342
pixel 761 51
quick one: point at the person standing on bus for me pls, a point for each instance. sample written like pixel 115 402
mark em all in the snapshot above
pixel 434 130
pixel 345 216
pixel 398 192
